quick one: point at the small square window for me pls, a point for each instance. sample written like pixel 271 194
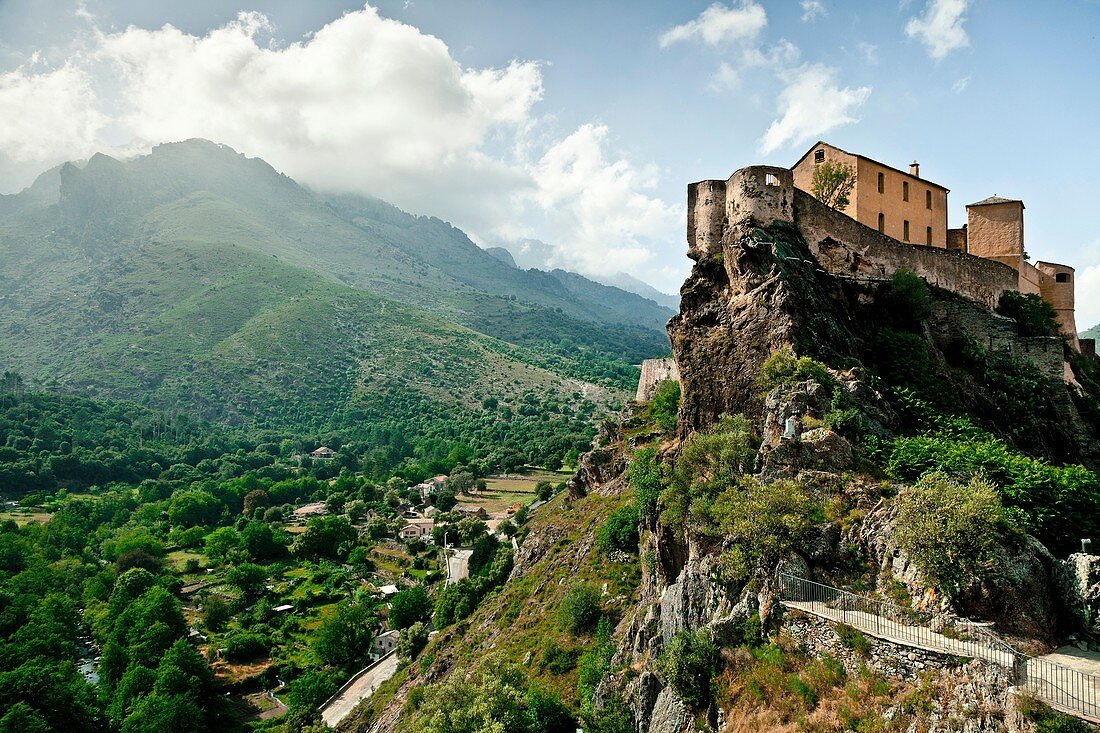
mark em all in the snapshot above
pixel 770 179
pixel 1061 277
pixel 819 156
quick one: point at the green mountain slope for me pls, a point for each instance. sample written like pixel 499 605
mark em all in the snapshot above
pixel 1092 333
pixel 198 279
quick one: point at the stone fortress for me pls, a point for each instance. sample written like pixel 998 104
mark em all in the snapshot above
pixel 895 220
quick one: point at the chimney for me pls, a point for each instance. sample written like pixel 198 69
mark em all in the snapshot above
pixel 914 169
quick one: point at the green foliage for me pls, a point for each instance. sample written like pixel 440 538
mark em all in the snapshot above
pixel 330 536
pixel 783 369
pixel 620 531
pixel 665 405
pixel 710 461
pixel 950 528
pixel 832 183
pixel 580 608
pixel 644 476
pixel 410 606
pixel 613 716
pixel 412 641
pixel 557 660
pixel 345 634
pixel 906 301
pixel 245 647
pixel 595 663
pixel 215 613
pixel 455 602
pixel 194 508
pixel 688 663
pixel 1055 503
pixel 1047 720
pixel 853 639
pixel 1033 315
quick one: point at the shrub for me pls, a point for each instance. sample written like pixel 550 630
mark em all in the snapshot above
pixel 580 609
pixel 665 405
pixel 688 664
pixel 245 647
pixel 949 528
pixel 906 301
pixel 412 641
pixel 620 530
pixel 710 461
pixel 644 475
pixel 783 369
pixel 1047 720
pixel 409 606
pixel 557 660
pixel 853 639
pixel 595 663
pixel 1033 315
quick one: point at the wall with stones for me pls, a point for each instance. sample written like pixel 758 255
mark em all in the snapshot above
pixel 655 371
pixel 849 249
pixel 951 319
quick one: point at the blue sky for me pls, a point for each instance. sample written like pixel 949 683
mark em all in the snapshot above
pixel 577 123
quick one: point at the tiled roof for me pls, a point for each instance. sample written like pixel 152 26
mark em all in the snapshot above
pixel 995 200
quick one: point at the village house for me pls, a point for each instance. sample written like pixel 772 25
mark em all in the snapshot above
pixel 385 643
pixel 323 454
pixel 471 510
pixel 417 529
pixel 430 487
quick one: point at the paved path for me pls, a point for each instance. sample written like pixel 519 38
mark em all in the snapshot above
pixel 459 565
pixel 358 689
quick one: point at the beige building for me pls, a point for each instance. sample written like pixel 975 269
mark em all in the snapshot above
pixel 898 204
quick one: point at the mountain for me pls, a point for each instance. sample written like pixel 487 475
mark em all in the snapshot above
pixel 1092 333
pixel 503 255
pixel 197 278
pixel 631 284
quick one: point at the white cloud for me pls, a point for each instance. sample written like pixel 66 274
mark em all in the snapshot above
pixel 598 209
pixel 1087 289
pixel 960 85
pixel 940 28
pixel 812 10
pixel 366 104
pixel 48 115
pixel 869 52
pixel 720 25
pixel 811 104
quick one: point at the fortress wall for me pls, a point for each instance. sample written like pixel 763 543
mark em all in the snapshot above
pixel 655 371
pixel 1030 279
pixel 761 193
pixel 847 248
pixel 706 217
pixel 996 333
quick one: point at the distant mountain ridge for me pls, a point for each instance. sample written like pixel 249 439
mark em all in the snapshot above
pixel 1092 333
pixel 197 275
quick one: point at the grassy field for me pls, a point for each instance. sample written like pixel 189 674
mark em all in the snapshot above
pixel 502 492
pixel 23 517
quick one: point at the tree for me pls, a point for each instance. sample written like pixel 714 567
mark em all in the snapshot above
pixel 248 578
pixel 194 508
pixel 688 664
pixel 460 483
pixel 580 609
pixel 345 634
pixel 259 541
pixel 326 537
pixel 409 606
pixel 215 613
pixel 664 406
pixel 220 543
pixel 412 641
pixel 255 499
pixel 832 184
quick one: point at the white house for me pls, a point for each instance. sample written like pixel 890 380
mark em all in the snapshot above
pixel 385 643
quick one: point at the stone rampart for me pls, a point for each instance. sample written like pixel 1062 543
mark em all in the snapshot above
pixel 849 249
pixel 995 333
pixel 655 371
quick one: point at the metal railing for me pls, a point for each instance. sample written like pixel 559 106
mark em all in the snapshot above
pixel 1057 685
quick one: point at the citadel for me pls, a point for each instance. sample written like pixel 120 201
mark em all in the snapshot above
pixel 894 220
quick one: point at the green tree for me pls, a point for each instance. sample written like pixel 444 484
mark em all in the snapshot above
pixel 248 578
pixel 412 641
pixel 665 405
pixel 688 664
pixel 580 609
pixel 832 183
pixel 220 543
pixel 329 537
pixel 215 612
pixel 194 508
pixel 409 606
pixel 345 634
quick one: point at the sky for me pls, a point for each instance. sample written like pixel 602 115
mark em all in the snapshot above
pixel 579 124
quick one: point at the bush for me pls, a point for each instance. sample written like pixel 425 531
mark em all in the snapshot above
pixel 783 369
pixel 557 660
pixel 688 664
pixel 409 606
pixel 949 528
pixel 620 530
pixel 906 301
pixel 245 647
pixel 665 405
pixel 595 663
pixel 644 475
pixel 580 609
pixel 1033 315
pixel 412 641
pixel 853 639
pixel 710 461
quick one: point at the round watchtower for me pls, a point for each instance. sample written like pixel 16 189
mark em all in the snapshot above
pixel 1056 288
pixel 761 193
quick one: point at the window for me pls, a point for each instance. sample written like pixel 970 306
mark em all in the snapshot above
pixel 882 222
pixel 819 156
pixel 928 200
pixel 905 230
pixel 770 179
pixel 905 190
pixel 1061 277
pixel 928 236
pixel 881 183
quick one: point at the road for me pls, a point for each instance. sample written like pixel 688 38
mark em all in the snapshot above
pixel 360 688
pixel 458 565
